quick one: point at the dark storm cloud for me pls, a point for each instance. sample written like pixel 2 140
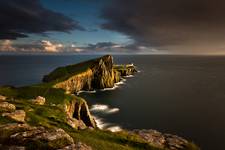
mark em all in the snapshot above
pixel 18 18
pixel 169 23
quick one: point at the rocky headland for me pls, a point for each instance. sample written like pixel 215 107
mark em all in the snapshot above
pixel 51 116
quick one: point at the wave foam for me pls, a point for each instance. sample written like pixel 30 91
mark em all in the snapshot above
pixel 110 89
pixel 100 123
pixel 106 126
pixel 114 129
pixel 129 76
pixel 86 92
pixel 104 109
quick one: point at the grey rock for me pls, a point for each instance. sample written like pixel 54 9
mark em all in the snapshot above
pixel 160 140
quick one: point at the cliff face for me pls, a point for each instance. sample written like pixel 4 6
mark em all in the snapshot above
pixel 77 82
pixel 99 73
pixel 104 74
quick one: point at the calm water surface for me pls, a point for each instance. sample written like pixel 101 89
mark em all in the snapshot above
pixel 183 95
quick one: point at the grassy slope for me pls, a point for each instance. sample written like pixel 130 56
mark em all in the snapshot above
pixel 52 116
pixel 63 73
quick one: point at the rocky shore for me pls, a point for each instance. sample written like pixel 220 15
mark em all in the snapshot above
pixel 51 116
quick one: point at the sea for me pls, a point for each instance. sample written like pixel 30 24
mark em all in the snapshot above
pixel 182 95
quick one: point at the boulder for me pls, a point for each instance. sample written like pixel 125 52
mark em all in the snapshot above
pixel 39 137
pixel 2 98
pixel 42 134
pixel 18 115
pixel 39 100
pixel 7 107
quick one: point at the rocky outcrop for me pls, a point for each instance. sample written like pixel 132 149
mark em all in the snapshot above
pixel 163 141
pixel 17 115
pixel 125 70
pixel 39 100
pixel 26 136
pixel 7 107
pixel 79 114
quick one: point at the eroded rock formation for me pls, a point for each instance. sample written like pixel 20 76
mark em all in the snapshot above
pixel 79 114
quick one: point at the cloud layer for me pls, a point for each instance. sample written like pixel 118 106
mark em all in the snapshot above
pixel 50 47
pixel 18 18
pixel 173 24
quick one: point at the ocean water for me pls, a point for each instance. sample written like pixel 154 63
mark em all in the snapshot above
pixel 183 95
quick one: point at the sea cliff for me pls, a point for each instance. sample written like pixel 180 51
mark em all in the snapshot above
pixel 51 116
pixel 98 74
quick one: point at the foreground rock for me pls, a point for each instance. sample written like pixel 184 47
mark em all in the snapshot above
pixel 7 107
pixel 164 141
pixel 25 136
pixel 5 147
pixel 39 100
pixel 17 115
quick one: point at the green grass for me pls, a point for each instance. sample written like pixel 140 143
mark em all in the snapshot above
pixel 63 73
pixel 52 95
pixel 53 116
pixel 102 140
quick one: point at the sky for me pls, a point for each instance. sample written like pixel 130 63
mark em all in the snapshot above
pixel 112 26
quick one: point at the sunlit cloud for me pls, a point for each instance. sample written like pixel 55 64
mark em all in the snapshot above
pixel 51 47
pixel 6 45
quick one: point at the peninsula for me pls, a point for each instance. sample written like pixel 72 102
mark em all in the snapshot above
pixel 51 116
